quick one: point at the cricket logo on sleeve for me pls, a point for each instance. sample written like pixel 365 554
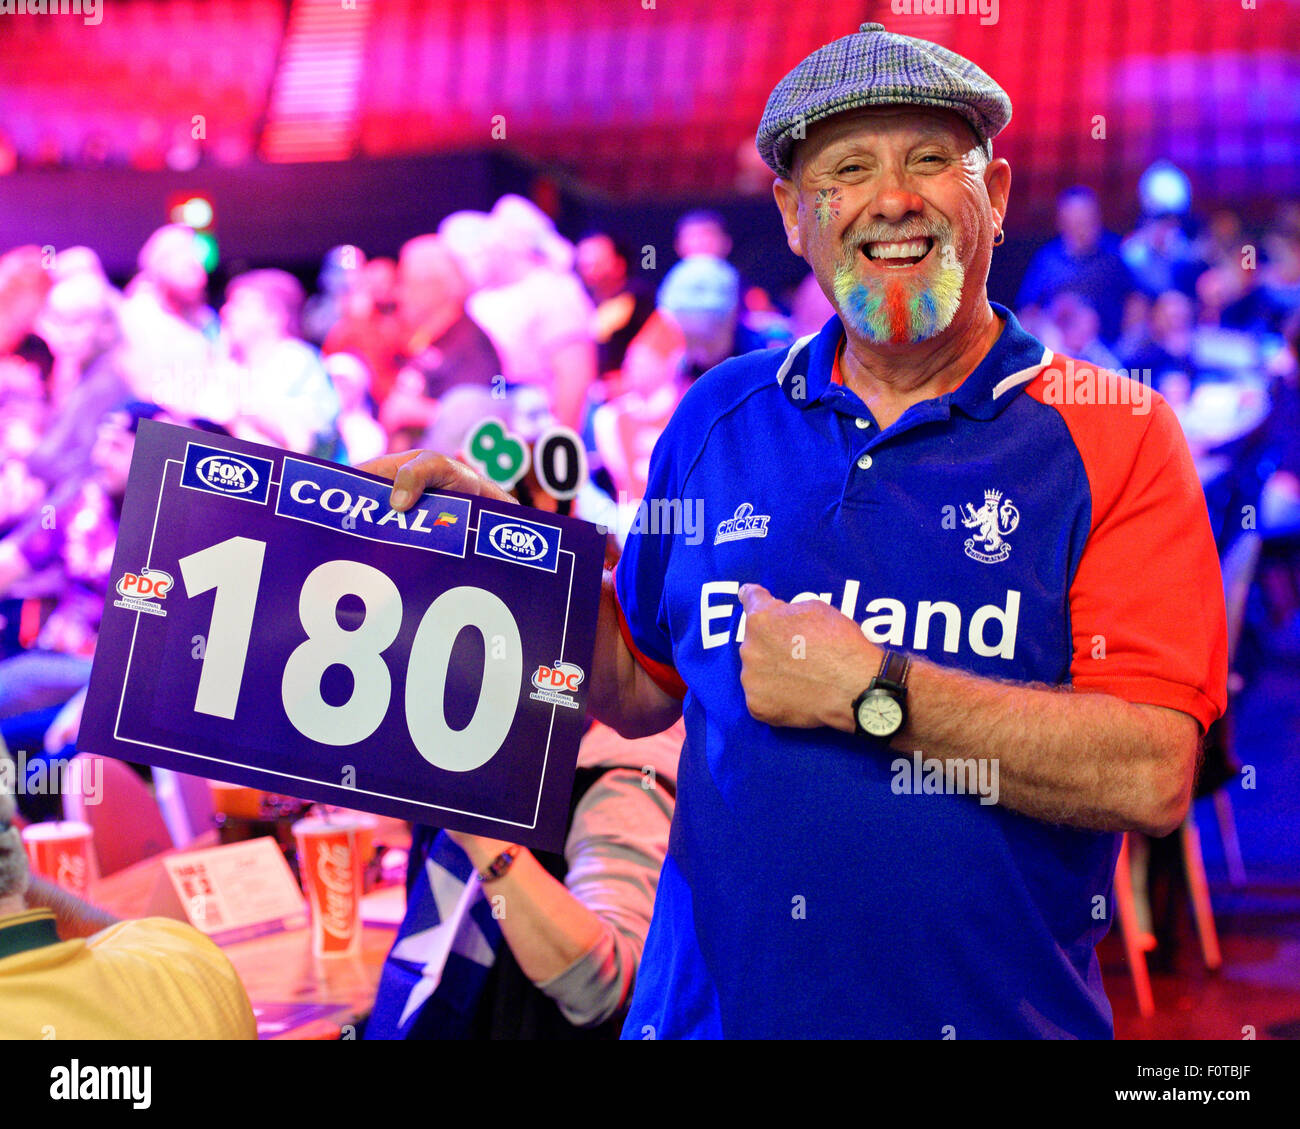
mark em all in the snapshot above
pixel 994 523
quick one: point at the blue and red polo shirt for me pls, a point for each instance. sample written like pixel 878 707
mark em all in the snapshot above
pixel 1013 528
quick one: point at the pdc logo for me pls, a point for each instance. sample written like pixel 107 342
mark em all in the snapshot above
pixel 227 474
pixel 139 589
pixel 556 684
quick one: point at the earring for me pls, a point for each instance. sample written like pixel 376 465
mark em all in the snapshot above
pixel 1000 238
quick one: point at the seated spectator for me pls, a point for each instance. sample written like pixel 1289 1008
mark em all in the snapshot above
pixel 701 295
pixel 470 237
pixel 1159 252
pixel 701 232
pixel 339 273
pixel 623 431
pixel 281 393
pixel 79 322
pixel 363 437
pixel 1218 344
pixel 535 309
pixel 1222 239
pixel 562 962
pixel 704 232
pixel 444 347
pixel 76 536
pixel 1169 347
pixel 1073 327
pixel 154 978
pixel 623 303
pixel 23 420
pixel 1280 501
pixel 1279 282
pixel 79 260
pixel 24 283
pixel 1083 257
pixel 168 329
pixel 369 327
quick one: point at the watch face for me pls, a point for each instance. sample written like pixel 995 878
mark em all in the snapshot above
pixel 880 714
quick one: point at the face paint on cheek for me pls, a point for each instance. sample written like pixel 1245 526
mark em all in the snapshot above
pixel 826 206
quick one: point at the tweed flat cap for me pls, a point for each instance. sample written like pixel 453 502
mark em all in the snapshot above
pixel 876 68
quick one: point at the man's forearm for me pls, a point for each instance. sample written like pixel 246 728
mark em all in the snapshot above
pixel 1087 760
pixel 622 695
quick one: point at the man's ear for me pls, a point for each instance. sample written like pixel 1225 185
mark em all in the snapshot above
pixel 787 202
pixel 997 182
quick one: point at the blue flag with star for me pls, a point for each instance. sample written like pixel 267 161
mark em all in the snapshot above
pixel 435 973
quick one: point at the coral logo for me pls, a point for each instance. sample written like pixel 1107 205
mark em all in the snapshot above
pixel 557 683
pixel 228 474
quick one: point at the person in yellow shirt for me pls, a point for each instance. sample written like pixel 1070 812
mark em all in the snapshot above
pixel 105 979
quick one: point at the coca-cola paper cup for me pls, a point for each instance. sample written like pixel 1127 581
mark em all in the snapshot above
pixel 61 851
pixel 331 860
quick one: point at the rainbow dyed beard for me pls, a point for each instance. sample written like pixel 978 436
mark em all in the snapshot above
pixel 891 311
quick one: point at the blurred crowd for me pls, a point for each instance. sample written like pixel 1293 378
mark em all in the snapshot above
pixel 1203 311
pixel 495 314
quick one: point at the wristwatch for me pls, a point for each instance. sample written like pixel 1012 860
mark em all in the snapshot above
pixel 499 865
pixel 881 709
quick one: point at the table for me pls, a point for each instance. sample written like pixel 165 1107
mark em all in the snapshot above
pixel 295 995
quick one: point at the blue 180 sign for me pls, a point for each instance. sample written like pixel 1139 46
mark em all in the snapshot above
pixel 274 622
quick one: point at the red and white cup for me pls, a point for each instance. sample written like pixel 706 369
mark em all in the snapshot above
pixel 63 852
pixel 331 861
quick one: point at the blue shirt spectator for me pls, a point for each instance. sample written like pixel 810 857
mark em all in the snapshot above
pixel 1083 258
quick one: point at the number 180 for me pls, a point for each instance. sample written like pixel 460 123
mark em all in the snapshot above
pixel 234 569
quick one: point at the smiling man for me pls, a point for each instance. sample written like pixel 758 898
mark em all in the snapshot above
pixel 913 548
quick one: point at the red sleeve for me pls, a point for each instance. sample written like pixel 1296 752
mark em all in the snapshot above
pixel 1146 602
pixel 664 676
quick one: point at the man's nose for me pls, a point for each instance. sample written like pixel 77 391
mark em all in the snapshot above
pixel 895 198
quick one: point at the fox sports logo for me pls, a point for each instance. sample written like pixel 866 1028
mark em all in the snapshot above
pixel 518 541
pixel 227 473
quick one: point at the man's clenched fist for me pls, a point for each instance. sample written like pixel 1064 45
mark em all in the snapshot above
pixel 801 665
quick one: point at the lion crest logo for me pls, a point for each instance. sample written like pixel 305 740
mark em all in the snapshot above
pixel 993 521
